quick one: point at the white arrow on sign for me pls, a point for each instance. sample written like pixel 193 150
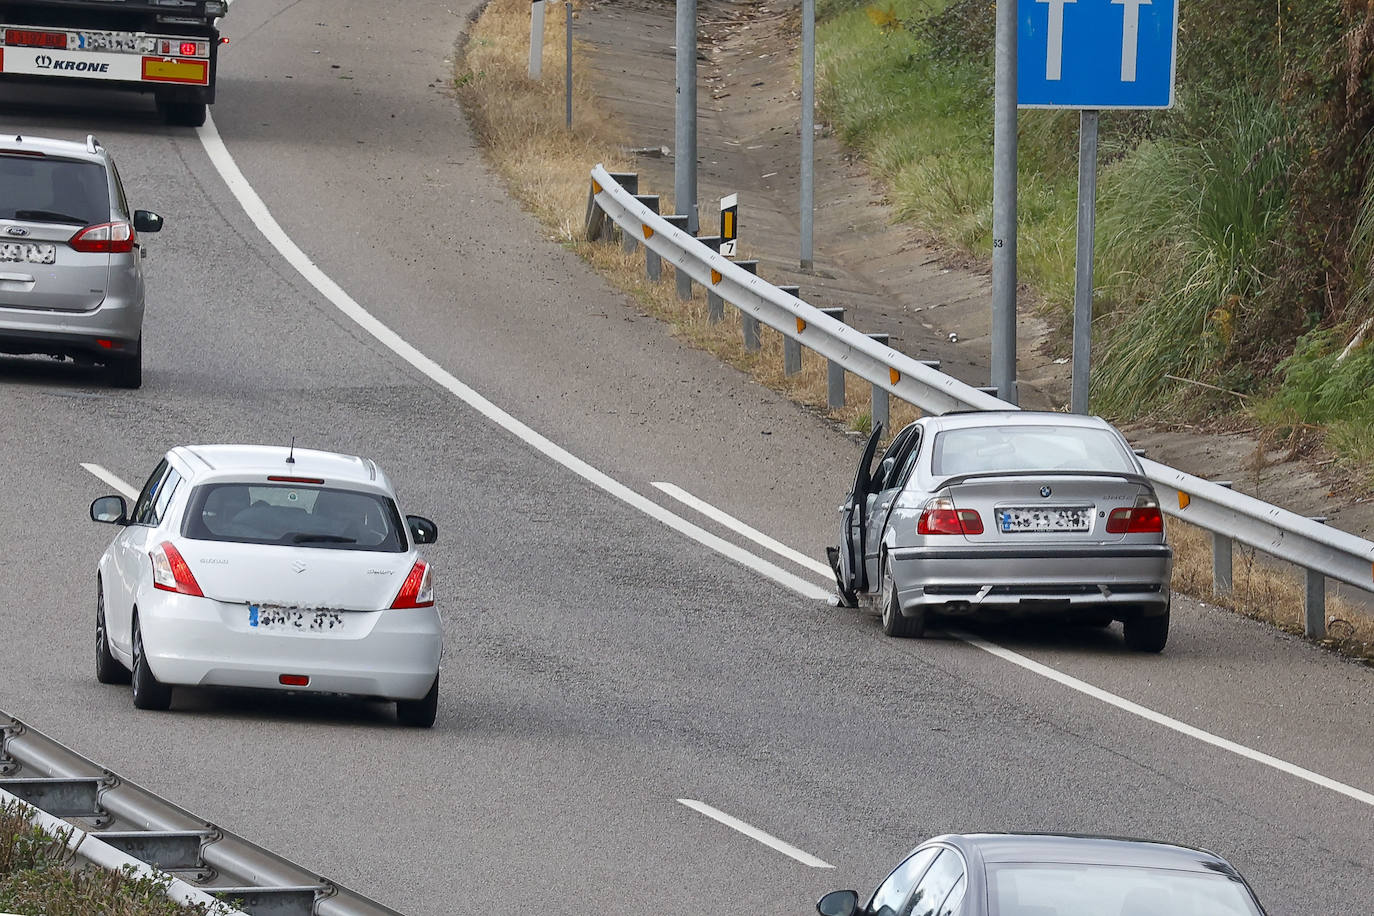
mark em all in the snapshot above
pixel 1054 53
pixel 1130 36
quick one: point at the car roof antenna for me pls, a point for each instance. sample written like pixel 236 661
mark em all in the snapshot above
pixel 291 453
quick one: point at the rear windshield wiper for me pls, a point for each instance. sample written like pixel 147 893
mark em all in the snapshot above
pixel 302 538
pixel 48 216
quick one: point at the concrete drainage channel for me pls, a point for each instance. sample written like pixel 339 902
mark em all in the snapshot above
pixel 117 822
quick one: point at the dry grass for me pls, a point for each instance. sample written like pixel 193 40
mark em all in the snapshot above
pixel 521 124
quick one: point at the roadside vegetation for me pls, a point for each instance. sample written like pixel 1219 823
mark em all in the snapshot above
pixel 39 874
pixel 1235 233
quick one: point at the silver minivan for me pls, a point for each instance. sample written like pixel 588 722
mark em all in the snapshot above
pixel 71 273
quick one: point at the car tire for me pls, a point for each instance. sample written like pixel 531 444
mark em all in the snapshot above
pixel 420 713
pixel 149 692
pixel 1147 634
pixel 108 669
pixel 182 114
pixel 894 624
pixel 126 371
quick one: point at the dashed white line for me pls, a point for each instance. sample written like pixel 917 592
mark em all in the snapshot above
pixel 734 524
pixel 125 490
pixel 257 211
pixel 755 833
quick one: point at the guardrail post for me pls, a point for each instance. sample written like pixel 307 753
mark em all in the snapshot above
pixel 1222 549
pixel 881 409
pixel 1314 607
pixel 627 238
pixel 834 372
pixel 748 324
pixel 990 389
pixel 930 363
pixel 596 223
pixel 653 264
pixel 684 280
pixel 791 349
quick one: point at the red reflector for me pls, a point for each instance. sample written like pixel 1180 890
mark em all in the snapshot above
pixel 278 479
pixel 107 344
pixel 30 39
pixel 294 680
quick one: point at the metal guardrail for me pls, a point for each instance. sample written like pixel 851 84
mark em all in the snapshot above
pixel 1320 550
pixel 119 823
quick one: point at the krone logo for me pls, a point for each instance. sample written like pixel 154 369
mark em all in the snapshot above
pixel 43 62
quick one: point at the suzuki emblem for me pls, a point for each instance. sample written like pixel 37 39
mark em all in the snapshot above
pixel 298 566
pixel 17 230
pixel 1045 492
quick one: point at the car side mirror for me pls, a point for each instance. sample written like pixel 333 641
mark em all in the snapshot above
pixel 147 221
pixel 422 530
pixel 838 903
pixel 112 510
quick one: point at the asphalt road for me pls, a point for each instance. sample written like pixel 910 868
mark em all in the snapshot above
pixel 601 665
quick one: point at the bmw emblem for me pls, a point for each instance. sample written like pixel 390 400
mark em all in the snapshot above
pixel 17 230
pixel 1045 492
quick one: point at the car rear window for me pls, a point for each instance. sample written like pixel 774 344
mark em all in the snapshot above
pixel 295 516
pixel 1095 890
pixel 51 190
pixel 982 449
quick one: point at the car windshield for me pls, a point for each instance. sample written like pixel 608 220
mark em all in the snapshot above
pixel 1110 890
pixel 49 190
pixel 982 449
pixel 299 516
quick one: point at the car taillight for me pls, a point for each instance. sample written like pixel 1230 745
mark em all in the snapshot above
pixel 1142 518
pixel 940 517
pixel 171 573
pixel 105 238
pixel 418 588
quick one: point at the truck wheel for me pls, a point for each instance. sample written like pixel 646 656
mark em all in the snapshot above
pixel 182 114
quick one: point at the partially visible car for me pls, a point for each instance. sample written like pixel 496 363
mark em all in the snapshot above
pixel 1007 874
pixel 274 568
pixel 1005 514
pixel 71 260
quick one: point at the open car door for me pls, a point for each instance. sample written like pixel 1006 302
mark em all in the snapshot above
pixel 848 560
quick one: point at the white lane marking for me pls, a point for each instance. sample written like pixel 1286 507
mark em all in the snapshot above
pixel 127 491
pixel 1158 718
pixel 755 833
pixel 734 524
pixel 257 211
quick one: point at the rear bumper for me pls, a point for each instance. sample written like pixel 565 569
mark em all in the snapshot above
pixel 1000 582
pixel 117 320
pixel 200 642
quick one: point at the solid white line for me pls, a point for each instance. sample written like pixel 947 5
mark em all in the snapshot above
pixel 1158 718
pixel 755 833
pixel 257 211
pixel 734 524
pixel 127 491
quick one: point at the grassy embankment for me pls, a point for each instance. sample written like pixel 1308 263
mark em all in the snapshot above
pixel 1235 233
pixel 38 874
pixel 520 123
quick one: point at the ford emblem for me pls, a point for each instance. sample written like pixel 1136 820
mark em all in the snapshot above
pixel 17 230
pixel 1045 492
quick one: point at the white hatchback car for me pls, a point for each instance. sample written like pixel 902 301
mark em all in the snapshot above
pixel 268 567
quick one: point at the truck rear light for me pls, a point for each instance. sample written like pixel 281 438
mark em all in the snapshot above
pixel 940 517
pixel 1142 518
pixel 418 588
pixel 171 573
pixel 29 38
pixel 105 238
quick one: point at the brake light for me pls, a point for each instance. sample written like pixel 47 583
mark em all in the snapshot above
pixel 940 517
pixel 418 588
pixel 1142 518
pixel 105 238
pixel 26 38
pixel 171 573
pixel 280 479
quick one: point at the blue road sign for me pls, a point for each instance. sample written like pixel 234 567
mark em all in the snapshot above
pixel 1095 53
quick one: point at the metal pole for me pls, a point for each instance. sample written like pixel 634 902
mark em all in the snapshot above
pixel 1083 282
pixel 808 131
pixel 536 39
pixel 834 372
pixel 1222 554
pixel 567 74
pixel 685 162
pixel 1004 207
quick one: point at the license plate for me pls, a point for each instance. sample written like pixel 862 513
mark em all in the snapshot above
pixel 1016 521
pixel 294 620
pixel 28 252
pixel 128 42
